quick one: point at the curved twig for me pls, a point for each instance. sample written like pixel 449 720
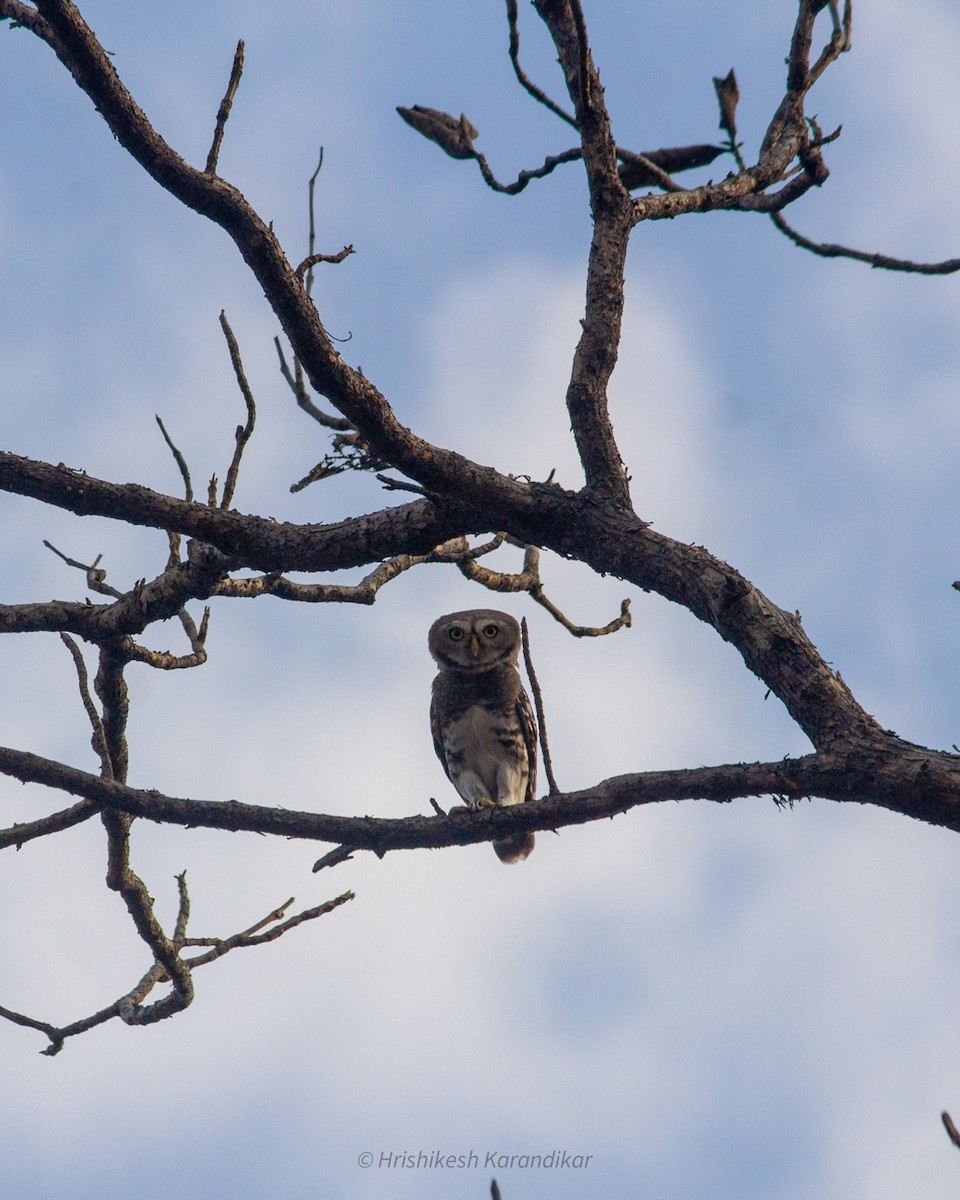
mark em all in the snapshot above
pixel 98 737
pixel 538 94
pixel 947 266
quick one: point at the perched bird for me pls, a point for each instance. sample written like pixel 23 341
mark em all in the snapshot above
pixel 484 730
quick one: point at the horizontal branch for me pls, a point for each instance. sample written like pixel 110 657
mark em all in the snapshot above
pixel 884 771
pixel 574 525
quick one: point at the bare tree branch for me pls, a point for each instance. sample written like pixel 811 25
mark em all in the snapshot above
pixel 18 835
pixel 855 760
pixel 129 1007
pixel 540 96
pixel 226 104
pixel 98 738
pixel 180 461
pixel 881 769
pixel 245 431
pixel 538 704
pixel 610 204
pixel 881 261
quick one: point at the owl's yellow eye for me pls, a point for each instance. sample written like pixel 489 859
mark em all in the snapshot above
pixel 491 631
pixel 456 633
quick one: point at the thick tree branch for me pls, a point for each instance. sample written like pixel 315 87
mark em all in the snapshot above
pixel 254 542
pixel 881 769
pixel 771 641
pixel 610 204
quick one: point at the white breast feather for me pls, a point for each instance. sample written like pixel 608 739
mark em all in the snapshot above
pixel 489 771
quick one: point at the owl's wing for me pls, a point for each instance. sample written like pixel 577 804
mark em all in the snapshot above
pixel 528 728
pixel 435 733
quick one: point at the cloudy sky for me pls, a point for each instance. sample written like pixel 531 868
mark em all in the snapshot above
pixel 709 1001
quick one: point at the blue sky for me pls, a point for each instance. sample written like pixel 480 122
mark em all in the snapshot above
pixel 710 1000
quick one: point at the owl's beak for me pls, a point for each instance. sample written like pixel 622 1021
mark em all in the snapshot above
pixel 474 645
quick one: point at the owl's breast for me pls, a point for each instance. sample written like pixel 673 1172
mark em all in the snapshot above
pixel 486 755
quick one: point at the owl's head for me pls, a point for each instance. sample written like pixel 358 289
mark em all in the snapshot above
pixel 474 640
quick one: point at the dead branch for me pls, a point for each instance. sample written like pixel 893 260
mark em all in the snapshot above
pixel 538 704
pixel 180 461
pixel 95 574
pixel 226 104
pixel 883 770
pixel 298 387
pixel 245 431
pixel 624 621
pixel 550 164
pixel 610 204
pixel 129 1007
pixel 540 96
pixel 947 266
pixel 98 738
pixel 312 259
pixel 18 835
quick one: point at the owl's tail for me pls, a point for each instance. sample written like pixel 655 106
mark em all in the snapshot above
pixel 516 848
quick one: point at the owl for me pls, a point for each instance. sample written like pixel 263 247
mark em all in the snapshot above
pixel 484 730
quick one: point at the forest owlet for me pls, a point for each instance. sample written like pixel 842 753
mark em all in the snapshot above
pixel 484 730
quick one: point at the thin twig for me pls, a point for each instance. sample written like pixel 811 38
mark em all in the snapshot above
pixel 130 1008
pixel 254 938
pixel 95 575
pixel 312 232
pixel 98 738
pixel 401 485
pixel 656 174
pixel 244 431
pixel 312 259
pixel 225 106
pixel 878 261
pixel 180 461
pixel 296 384
pixel 538 702
pixel 183 913
pixel 550 164
pixel 623 621
pixel 540 96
